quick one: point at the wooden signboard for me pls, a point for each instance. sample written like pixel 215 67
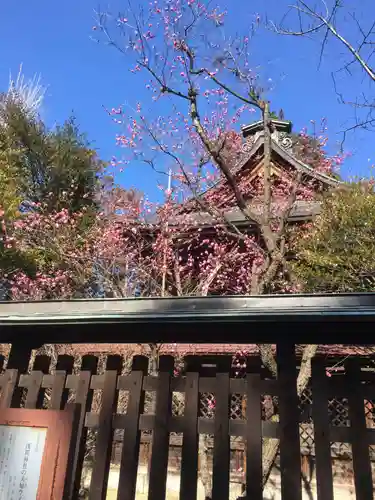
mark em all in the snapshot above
pixel 36 453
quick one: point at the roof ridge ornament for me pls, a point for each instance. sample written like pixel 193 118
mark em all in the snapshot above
pixel 280 134
pixel 283 139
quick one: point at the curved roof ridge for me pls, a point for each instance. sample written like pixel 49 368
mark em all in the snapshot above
pixel 300 165
pixel 297 164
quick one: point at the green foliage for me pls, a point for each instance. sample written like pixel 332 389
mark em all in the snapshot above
pixel 337 252
pixel 53 174
pixel 73 169
pixel 57 168
pixel 9 196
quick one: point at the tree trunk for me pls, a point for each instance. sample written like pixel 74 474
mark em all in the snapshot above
pixel 204 471
pixel 267 163
pixel 270 445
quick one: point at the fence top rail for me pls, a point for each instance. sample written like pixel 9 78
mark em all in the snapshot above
pixel 186 308
pixel 157 320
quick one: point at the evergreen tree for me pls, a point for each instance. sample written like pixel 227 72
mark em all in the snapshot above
pixel 337 253
pixel 56 168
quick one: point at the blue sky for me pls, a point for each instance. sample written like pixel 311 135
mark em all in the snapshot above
pixel 53 38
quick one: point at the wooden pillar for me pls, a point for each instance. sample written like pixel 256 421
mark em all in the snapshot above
pixel 290 459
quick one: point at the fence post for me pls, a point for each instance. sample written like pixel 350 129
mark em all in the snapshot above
pixel 100 472
pixel 221 458
pixel 131 440
pixel 160 442
pixel 254 480
pixel 84 397
pixel 19 359
pixel 190 441
pixel 324 476
pixel 358 431
pixel 8 387
pixel 19 356
pixel 35 392
pixel 60 395
pixel 290 453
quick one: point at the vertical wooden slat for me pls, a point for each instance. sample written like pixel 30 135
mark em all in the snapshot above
pixel 35 393
pixel 253 366
pixel 131 441
pixel 160 442
pixel 221 453
pixel 75 410
pixel 57 390
pixel 84 397
pixel 254 489
pixel 8 386
pixel 19 356
pixel 359 440
pixel 34 383
pixel 19 359
pixel 59 395
pixel 190 442
pixel 324 476
pixel 290 453
pixel 99 479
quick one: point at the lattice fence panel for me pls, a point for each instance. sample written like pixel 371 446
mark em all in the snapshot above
pixel 237 407
pixel 207 405
pixel 306 430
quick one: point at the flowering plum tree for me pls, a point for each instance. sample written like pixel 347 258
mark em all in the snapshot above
pixel 201 85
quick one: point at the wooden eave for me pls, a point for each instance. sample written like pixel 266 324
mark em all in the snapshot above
pixel 302 211
pixel 301 319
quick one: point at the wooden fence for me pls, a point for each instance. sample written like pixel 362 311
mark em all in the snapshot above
pixel 39 389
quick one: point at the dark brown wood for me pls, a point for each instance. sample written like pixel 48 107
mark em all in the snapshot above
pixel 254 488
pixel 221 454
pixel 57 389
pixel 360 445
pixel 207 426
pixel 19 356
pixel 60 394
pixel 206 384
pixel 55 462
pixel 162 423
pixel 35 392
pixel 83 396
pixel 324 476
pixel 131 440
pixel 41 363
pixel 160 442
pixel 19 359
pixel 190 443
pixel 103 449
pixel 33 384
pixel 290 458
pixel 8 385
